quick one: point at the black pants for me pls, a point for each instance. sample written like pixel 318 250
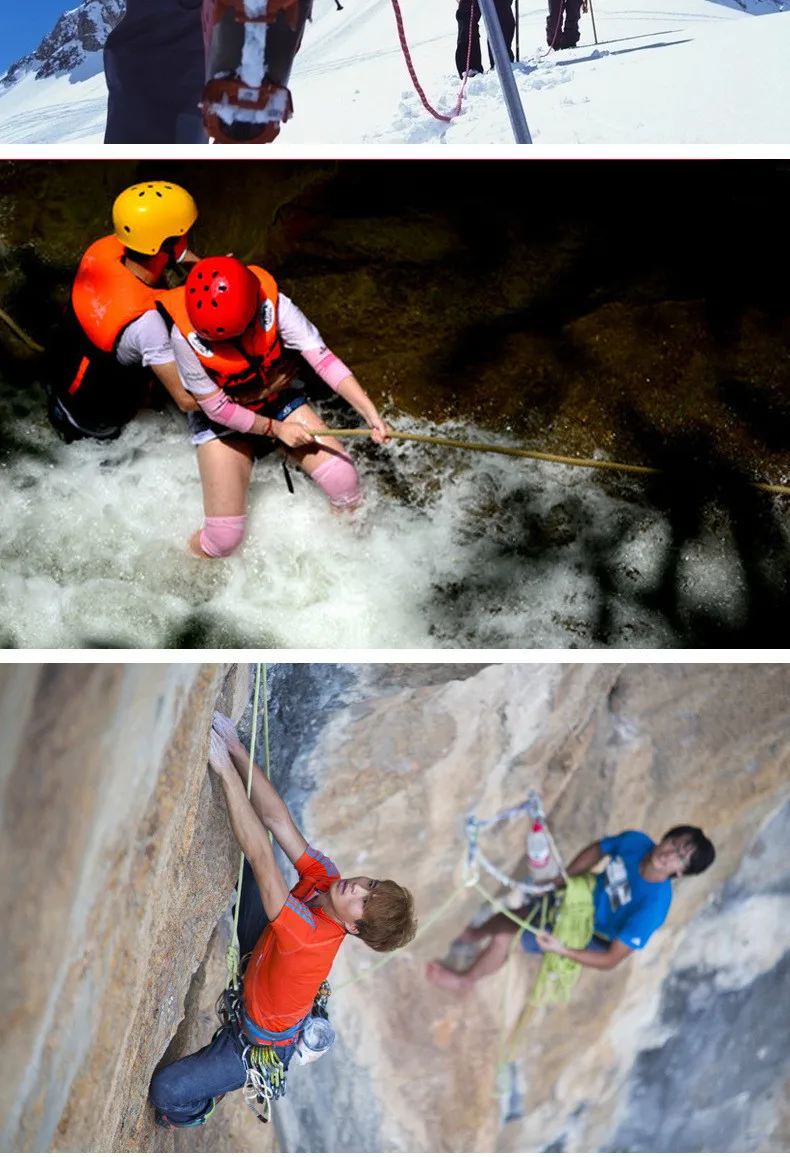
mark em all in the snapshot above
pixel 154 63
pixel 470 9
pixel 561 34
pixel 106 395
pixel 183 1091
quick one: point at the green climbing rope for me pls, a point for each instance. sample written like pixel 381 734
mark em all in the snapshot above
pixel 573 926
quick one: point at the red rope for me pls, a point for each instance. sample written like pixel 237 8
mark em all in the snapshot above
pixel 407 56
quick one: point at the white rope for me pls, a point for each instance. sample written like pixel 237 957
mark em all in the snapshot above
pixel 528 887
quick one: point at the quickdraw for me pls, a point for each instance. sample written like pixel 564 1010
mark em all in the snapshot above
pixel 266 1081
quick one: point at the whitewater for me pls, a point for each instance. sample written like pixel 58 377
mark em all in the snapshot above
pixel 451 549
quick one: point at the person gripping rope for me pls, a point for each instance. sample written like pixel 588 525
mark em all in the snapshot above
pixel 293 936
pixel 231 330
pixel 631 901
pixel 101 357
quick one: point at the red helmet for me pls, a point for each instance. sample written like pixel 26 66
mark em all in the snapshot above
pixel 222 297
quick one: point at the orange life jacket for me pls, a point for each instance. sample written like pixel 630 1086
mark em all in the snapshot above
pixel 106 296
pixel 245 362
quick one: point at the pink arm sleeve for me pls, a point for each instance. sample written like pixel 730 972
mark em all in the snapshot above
pixel 221 409
pixel 329 368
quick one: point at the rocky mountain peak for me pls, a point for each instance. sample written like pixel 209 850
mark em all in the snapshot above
pixel 75 37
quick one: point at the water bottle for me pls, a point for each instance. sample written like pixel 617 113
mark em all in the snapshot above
pixel 538 848
pixel 316 1037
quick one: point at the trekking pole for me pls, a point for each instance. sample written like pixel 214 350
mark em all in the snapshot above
pixel 518 50
pixel 592 17
pixel 496 39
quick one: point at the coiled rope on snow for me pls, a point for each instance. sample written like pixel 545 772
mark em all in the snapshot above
pixel 409 64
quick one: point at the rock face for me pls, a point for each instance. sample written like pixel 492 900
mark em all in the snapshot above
pixel 118 864
pixel 77 35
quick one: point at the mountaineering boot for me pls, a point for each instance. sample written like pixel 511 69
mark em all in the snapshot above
pixel 250 48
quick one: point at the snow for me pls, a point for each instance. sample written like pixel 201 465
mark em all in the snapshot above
pixel 54 110
pixel 664 72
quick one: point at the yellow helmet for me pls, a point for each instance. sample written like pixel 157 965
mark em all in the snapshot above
pixel 145 215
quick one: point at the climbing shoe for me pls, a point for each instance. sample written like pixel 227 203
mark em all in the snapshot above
pixel 164 1121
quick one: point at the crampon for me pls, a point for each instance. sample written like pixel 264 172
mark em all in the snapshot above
pixel 250 47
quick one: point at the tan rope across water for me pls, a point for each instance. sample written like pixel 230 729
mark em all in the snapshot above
pixel 518 452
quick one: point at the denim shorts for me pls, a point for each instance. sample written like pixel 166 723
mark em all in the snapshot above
pixel 529 942
pixel 279 406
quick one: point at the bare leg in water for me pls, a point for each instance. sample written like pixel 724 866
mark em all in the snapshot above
pixel 501 930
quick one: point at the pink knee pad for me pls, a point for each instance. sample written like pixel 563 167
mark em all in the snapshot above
pixel 339 480
pixel 220 536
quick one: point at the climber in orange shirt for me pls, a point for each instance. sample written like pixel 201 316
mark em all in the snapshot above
pixel 292 935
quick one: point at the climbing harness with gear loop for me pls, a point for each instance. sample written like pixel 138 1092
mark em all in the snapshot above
pixel 266 1080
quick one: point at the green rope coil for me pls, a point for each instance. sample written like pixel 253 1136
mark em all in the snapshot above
pixel 573 926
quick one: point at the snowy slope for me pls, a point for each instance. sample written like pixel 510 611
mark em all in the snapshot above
pixel 54 110
pixel 663 72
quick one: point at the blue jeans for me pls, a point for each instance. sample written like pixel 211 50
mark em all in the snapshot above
pixel 184 1091
pixel 530 944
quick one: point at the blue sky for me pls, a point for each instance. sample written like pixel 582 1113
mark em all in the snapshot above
pixel 24 24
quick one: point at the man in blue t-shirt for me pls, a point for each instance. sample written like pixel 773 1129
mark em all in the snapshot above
pixel 631 900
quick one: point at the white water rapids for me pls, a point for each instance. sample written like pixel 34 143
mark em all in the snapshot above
pixel 452 549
